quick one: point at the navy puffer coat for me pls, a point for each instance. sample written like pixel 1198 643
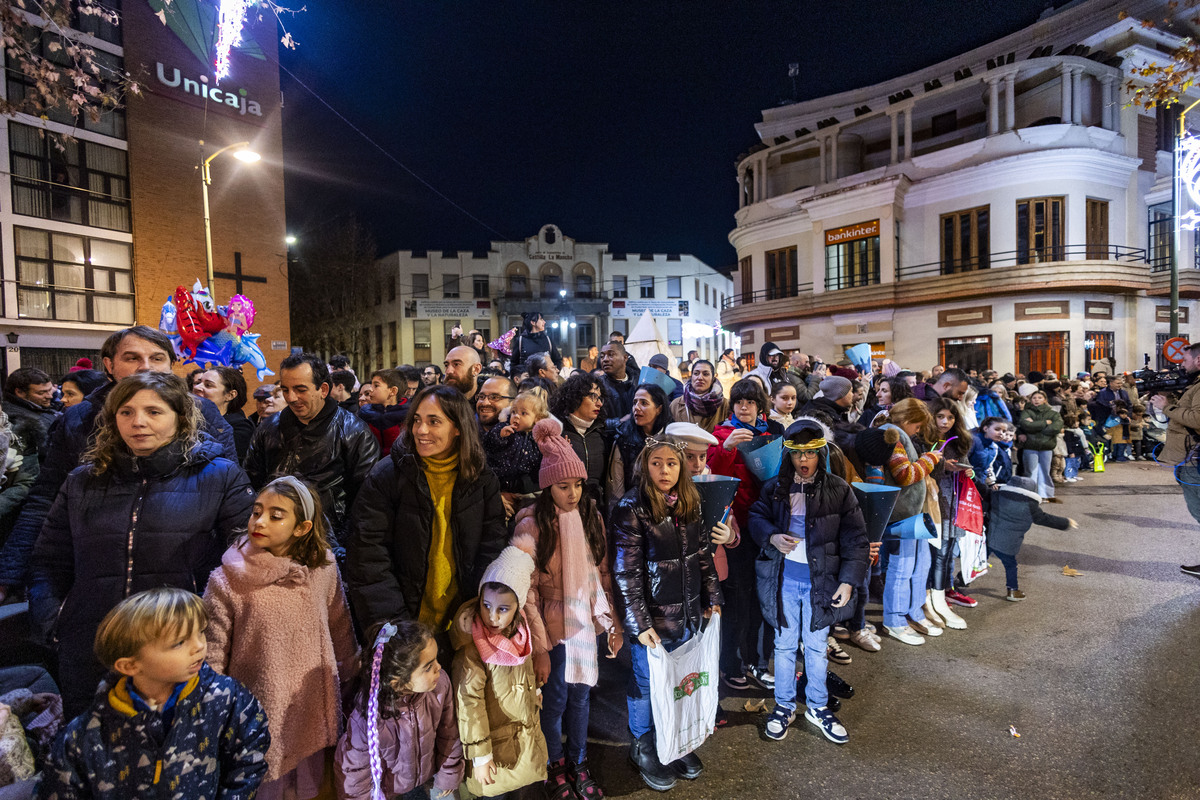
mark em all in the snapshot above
pixel 146 522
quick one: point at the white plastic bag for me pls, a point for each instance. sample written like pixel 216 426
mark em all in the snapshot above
pixel 683 692
pixel 972 555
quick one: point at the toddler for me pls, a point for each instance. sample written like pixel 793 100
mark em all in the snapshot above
pixel 1017 507
pixel 511 451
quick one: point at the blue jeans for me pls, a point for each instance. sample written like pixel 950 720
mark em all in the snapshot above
pixel 796 600
pixel 1037 466
pixel 1188 478
pixel 1010 569
pixel 564 706
pixel 641 715
pixel 907 578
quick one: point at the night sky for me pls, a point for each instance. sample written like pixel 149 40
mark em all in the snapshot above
pixel 618 121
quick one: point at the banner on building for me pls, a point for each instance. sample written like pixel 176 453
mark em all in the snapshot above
pixel 850 233
pixel 435 309
pixel 657 308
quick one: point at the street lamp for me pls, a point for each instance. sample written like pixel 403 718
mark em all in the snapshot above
pixel 241 152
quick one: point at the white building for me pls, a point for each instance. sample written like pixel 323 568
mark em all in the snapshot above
pixel 582 289
pixel 1005 209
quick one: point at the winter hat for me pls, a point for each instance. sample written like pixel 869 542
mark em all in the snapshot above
pixel 83 363
pixel 874 446
pixel 1034 376
pixel 659 360
pixel 692 435
pixel 559 462
pixel 512 568
pixel 1027 389
pixel 835 387
pixel 890 368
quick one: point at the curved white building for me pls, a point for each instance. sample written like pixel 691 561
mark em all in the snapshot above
pixel 1006 209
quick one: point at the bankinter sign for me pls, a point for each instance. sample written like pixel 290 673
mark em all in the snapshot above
pixel 863 230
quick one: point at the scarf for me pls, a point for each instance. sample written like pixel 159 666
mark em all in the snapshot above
pixel 440 585
pixel 759 426
pixel 499 650
pixel 703 405
pixel 583 600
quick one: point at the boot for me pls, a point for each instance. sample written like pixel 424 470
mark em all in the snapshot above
pixel 930 612
pixel 937 598
pixel 644 757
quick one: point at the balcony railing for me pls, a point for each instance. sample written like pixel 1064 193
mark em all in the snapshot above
pixel 767 294
pixel 1039 255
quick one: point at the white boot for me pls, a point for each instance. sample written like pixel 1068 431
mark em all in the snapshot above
pixel 931 612
pixel 937 598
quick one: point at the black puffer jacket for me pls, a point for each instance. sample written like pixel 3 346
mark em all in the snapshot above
pixel 594 447
pixel 391 526
pixel 31 423
pixel 335 452
pixel 835 540
pixel 664 576
pixel 145 522
pixel 525 345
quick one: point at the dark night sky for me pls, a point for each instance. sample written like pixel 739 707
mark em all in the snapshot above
pixel 618 121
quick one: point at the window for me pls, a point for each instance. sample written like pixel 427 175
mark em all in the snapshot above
pixel 68 180
pixel 422 346
pixel 1097 229
pixel 675 335
pixel 966 240
pixel 1161 236
pixel 697 295
pixel 552 282
pixel 853 263
pixel 747 279
pixel 965 352
pixel 378 282
pixel 621 325
pixel 450 286
pixel 517 276
pixel 1098 345
pixel 1040 230
pixel 73 278
pixel 583 285
pixel 484 326
pixel 782 273
pixel 585 336
pixel 706 295
pixel 447 326
pixel 393 343
pixel 110 122
pixel 420 285
pixel 647 287
pixel 674 288
pixel 1161 339
pixel 480 287
pixel 620 287
pixel 1044 351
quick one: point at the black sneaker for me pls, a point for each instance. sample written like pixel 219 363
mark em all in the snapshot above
pixel 831 702
pixel 737 682
pixel 838 687
pixel 777 723
pixel 762 677
pixel 1194 570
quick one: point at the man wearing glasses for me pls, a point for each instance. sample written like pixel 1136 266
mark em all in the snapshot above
pixel 494 396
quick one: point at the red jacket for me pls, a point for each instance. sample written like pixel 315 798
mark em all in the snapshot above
pixel 724 462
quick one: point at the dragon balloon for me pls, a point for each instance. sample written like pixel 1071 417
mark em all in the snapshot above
pixel 205 334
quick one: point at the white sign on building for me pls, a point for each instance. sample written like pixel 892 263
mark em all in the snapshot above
pixel 657 308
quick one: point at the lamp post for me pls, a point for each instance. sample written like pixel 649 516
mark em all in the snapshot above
pixel 242 153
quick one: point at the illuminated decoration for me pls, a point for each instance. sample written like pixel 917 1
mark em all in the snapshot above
pixel 206 335
pixel 229 32
pixel 1187 169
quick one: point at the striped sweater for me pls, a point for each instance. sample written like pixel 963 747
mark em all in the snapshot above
pixel 907 472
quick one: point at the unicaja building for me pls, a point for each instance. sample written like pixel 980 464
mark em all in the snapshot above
pixel 1005 209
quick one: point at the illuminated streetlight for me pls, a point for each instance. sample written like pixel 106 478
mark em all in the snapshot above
pixel 242 152
pixel 290 239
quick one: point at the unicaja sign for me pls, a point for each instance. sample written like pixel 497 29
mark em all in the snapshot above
pixel 234 98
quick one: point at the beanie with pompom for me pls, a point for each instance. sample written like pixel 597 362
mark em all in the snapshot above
pixel 559 461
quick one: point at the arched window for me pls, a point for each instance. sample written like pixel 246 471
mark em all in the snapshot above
pixel 516 276
pixel 585 280
pixel 552 282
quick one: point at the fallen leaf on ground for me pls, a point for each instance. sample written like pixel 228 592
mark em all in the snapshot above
pixel 758 704
pixel 1071 573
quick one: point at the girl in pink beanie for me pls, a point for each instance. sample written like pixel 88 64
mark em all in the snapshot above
pixel 569 602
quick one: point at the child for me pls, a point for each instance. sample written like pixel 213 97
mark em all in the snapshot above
pixel 495 687
pixel 668 586
pixel 814 551
pixel 1137 428
pixel 402 731
pixel 1016 507
pixel 570 601
pixel 279 623
pixel 170 725
pixel 783 403
pixel 510 449
pixel 387 405
pixel 954 436
pixel 1116 430
pixel 985 452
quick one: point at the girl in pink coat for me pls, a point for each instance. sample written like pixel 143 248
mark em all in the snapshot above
pixel 279 623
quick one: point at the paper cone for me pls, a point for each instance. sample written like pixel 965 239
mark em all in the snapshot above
pixel 860 356
pixel 716 495
pixel 659 379
pixel 877 503
pixel 763 456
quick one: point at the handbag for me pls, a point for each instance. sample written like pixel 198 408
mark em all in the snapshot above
pixel 972 550
pixel 968 513
pixel 1097 457
pixel 683 692
pixel 918 526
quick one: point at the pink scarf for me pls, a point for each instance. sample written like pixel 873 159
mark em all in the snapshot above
pixel 583 600
pixel 499 650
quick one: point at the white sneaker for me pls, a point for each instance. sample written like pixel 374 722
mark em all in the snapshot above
pixel 905 634
pixel 865 640
pixel 924 627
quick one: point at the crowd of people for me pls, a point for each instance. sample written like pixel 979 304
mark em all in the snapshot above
pixel 403 582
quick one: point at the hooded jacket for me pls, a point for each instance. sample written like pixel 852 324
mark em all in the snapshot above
pixel 284 631
pixel 387 549
pixel 1032 423
pixel 30 422
pixel 1015 508
pixel 772 375
pixel 145 522
pixel 215 746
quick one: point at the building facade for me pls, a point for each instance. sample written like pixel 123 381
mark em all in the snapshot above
pixel 584 292
pixel 101 221
pixel 1007 209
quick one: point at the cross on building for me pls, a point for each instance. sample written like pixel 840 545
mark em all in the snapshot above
pixel 237 276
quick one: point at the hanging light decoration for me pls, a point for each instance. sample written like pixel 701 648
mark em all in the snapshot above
pixel 232 16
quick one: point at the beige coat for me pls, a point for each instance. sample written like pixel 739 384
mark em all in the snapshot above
pixel 1182 415
pixel 498 713
pixel 680 412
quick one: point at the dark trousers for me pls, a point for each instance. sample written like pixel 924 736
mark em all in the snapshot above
pixel 746 641
pixel 941 572
pixel 564 708
pixel 1010 568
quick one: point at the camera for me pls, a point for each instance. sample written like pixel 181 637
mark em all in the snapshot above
pixel 1149 382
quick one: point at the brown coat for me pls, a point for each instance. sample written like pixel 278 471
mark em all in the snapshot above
pixel 284 631
pixel 680 413
pixel 1182 415
pixel 498 713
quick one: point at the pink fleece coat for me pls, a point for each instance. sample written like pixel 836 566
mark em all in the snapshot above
pixel 284 631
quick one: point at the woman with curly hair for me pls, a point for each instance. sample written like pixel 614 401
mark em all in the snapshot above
pixel 153 504
pixel 579 404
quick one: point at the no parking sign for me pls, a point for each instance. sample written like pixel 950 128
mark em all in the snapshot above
pixel 1173 349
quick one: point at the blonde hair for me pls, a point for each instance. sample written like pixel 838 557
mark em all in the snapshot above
pixel 911 410
pixel 536 399
pixel 171 389
pixel 145 618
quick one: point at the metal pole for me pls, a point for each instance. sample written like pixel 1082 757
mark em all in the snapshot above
pixel 1177 201
pixel 208 256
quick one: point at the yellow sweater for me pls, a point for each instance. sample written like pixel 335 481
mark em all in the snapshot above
pixel 441 587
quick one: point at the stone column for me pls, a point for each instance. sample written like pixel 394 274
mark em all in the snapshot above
pixel 822 159
pixel 1010 101
pixel 993 106
pixel 1076 96
pixel 1106 103
pixel 908 149
pixel 1065 73
pixel 895 138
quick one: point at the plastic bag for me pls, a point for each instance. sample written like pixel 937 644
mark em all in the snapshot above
pixel 968 515
pixel 972 549
pixel 683 692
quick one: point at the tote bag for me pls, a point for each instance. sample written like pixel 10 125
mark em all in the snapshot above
pixel 683 692
pixel 972 549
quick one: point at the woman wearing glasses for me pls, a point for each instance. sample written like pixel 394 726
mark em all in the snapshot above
pixel 579 403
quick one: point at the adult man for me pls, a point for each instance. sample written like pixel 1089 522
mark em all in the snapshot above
pixel 462 368
pixel 263 405
pixel 772 367
pixel 631 364
pixel 686 367
pixel 314 439
pixel 28 395
pixel 832 409
pixel 618 385
pixel 494 396
pixel 951 383
pixel 1183 435
pixel 129 350
pixel 661 363
pixel 341 389
pixel 340 362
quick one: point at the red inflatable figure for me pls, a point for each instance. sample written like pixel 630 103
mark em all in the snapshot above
pixel 194 322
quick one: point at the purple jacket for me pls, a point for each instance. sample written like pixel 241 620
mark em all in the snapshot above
pixel 418 743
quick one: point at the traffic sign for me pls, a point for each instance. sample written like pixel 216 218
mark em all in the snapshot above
pixel 1173 349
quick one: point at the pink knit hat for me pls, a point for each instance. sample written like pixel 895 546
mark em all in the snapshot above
pixel 559 462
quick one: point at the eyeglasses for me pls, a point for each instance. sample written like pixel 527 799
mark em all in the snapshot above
pixel 495 398
pixel 595 397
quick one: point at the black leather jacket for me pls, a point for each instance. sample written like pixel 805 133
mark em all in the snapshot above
pixel 664 575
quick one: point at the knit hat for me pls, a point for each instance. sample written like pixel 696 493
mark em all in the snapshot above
pixel 1027 389
pixel 874 446
pixel 559 462
pixel 1034 376
pixel 692 435
pixel 835 387
pixel 659 360
pixel 512 568
pixel 83 363
pixel 890 368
